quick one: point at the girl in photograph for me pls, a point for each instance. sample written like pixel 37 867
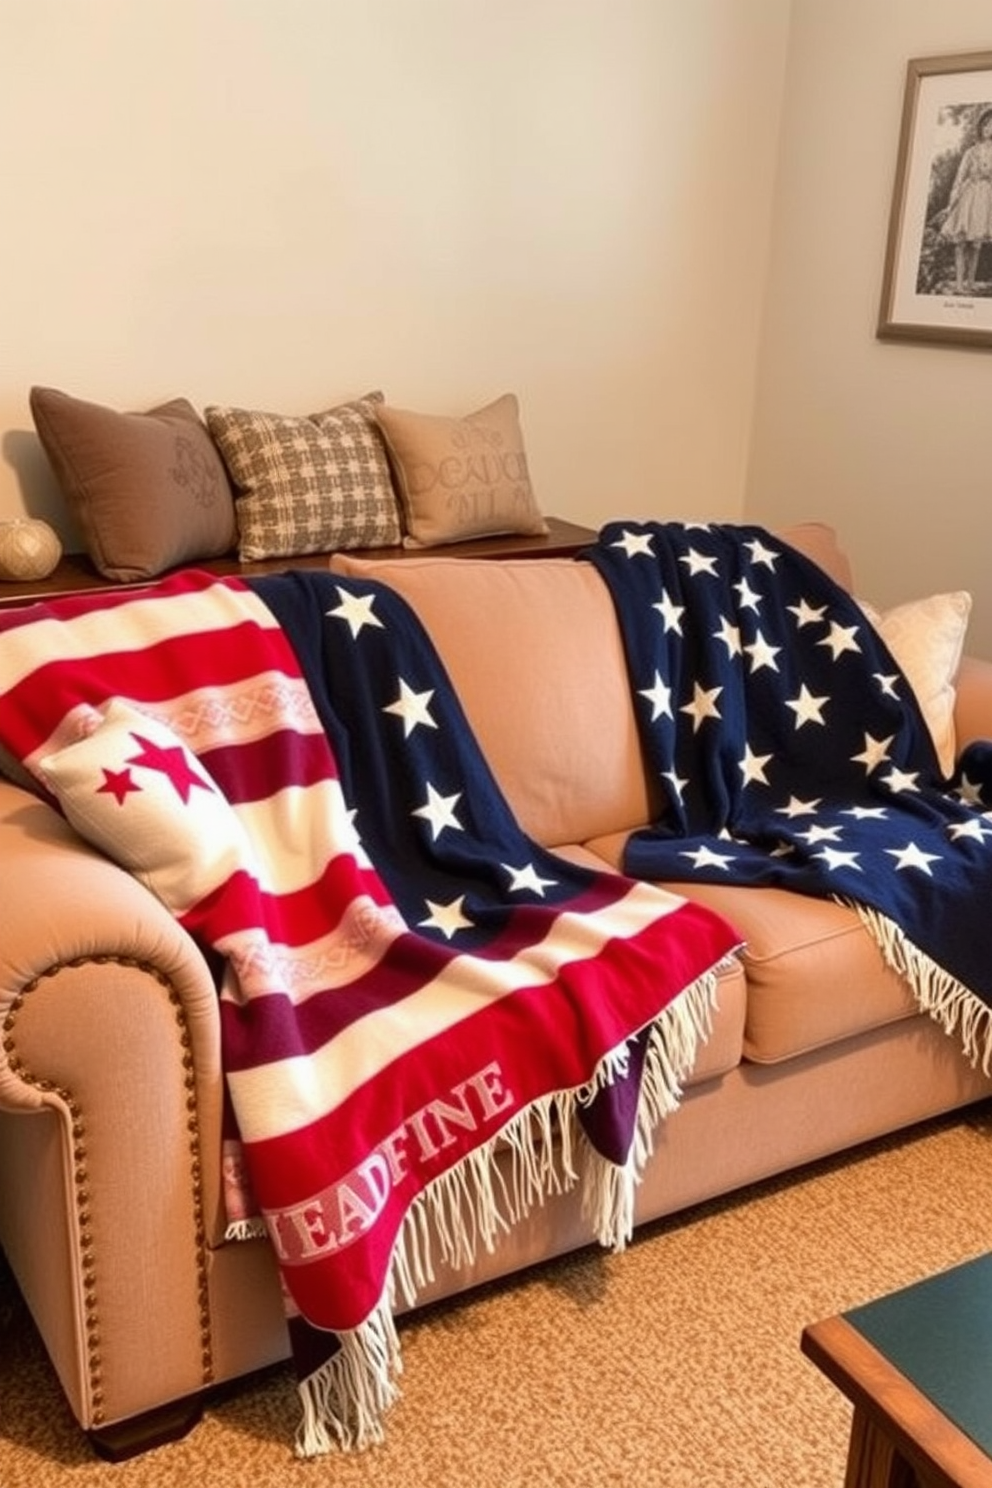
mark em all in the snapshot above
pixel 968 220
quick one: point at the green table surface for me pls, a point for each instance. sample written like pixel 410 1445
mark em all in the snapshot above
pixel 938 1333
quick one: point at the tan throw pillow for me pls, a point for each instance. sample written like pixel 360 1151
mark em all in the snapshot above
pixel 308 484
pixel 148 491
pixel 926 638
pixel 460 478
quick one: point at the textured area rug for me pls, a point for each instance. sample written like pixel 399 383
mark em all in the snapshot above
pixel 675 1364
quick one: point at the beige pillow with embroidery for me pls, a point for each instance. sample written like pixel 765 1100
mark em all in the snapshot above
pixel 460 478
pixel 926 638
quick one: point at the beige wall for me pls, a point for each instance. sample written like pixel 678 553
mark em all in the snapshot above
pixel 280 205
pixel 892 441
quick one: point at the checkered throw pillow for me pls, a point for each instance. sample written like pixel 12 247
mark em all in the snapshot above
pixel 308 485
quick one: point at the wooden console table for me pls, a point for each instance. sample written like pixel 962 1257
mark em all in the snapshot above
pixel 76 573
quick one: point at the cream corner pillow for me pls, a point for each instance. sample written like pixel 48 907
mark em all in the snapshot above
pixel 130 787
pixel 926 638
pixel 460 478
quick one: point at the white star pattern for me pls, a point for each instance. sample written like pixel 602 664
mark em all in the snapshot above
pixel 970 791
pixel 747 598
pixel 902 780
pixel 819 834
pixel 911 856
pixel 796 807
pixel 703 705
pixel 448 918
pixel 670 613
pixel 678 783
pixel 729 635
pixel 413 708
pixel 972 828
pixel 788 722
pixel 761 554
pixel 659 695
pixel 761 654
pixel 807 708
pixel 875 752
pixel 752 766
pixel 835 857
pixel 698 563
pixel 807 614
pixel 527 880
pixel 356 611
pixel 634 543
pixel 705 857
pixel 439 812
pixel 840 639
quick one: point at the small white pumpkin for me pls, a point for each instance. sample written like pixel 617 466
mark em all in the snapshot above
pixel 29 549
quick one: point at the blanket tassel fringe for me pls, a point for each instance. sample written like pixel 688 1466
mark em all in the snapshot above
pixel 957 1010
pixel 345 1401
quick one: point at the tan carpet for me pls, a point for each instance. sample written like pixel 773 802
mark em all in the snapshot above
pixel 675 1364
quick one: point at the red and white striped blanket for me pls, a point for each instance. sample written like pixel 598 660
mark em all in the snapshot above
pixel 408 982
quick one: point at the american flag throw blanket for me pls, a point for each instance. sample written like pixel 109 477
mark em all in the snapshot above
pixel 791 751
pixel 409 984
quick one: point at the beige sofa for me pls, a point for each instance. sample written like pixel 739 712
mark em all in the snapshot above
pixel 110 1086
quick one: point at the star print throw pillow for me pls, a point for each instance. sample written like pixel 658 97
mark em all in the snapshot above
pixel 132 789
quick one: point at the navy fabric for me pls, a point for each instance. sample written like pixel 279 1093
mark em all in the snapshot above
pixel 385 769
pixel 487 863
pixel 789 747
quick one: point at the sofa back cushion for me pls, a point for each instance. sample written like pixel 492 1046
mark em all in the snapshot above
pixel 819 542
pixel 534 651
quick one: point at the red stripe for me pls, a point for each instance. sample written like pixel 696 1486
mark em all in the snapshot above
pixel 553 1034
pixel 298 918
pixel 249 771
pixel 277 1027
pixel 536 1040
pixel 159 673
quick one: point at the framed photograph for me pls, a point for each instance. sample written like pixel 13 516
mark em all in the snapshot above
pixel 937 283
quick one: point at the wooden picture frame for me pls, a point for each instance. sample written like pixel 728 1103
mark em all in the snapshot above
pixel 937 284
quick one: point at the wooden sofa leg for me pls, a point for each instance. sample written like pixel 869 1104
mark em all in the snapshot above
pixel 154 1428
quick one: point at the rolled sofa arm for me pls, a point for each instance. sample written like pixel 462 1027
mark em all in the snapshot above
pixel 973 703
pixel 110 1119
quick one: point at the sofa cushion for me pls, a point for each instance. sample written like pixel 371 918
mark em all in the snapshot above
pixel 307 484
pixel 819 542
pixel 535 655
pixel 795 946
pixel 148 490
pixel 460 478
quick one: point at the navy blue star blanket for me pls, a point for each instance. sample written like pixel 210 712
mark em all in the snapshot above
pixel 791 750
pixel 410 987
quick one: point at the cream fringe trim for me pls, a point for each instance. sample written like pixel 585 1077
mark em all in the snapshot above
pixel 345 1401
pixel 958 1010
pixel 246 1229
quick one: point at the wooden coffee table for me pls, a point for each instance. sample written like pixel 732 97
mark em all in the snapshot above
pixel 917 1367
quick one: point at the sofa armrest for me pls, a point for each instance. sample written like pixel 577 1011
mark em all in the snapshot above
pixel 973 703
pixel 111 1102
pixel 65 905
